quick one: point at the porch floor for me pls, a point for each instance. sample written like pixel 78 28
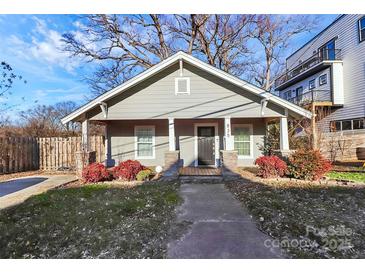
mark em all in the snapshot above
pixel 200 171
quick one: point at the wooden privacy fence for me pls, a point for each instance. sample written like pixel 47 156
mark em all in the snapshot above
pixel 59 153
pixel 18 154
pixel 55 153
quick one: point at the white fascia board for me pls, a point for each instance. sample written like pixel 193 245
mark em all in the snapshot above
pixel 196 62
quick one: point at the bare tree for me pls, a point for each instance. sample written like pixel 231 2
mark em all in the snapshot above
pixel 7 79
pixel 273 34
pixel 45 121
pixel 122 45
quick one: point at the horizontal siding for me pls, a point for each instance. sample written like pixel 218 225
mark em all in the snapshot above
pixel 353 56
pixel 122 141
pixel 210 97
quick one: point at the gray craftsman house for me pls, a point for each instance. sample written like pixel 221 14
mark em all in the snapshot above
pixel 184 112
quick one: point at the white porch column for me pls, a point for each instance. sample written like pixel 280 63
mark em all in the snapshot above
pixel 106 144
pixel 85 135
pixel 228 134
pixel 172 141
pixel 284 138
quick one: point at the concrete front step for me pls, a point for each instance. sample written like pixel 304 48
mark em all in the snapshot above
pixel 201 179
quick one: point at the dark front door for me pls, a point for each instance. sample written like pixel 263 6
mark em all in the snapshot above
pixel 206 146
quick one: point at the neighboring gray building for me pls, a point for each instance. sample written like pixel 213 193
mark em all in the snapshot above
pixel 185 111
pixel 327 76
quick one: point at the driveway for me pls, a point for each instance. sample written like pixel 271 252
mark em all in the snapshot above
pixel 16 191
pixel 220 227
pixel 19 184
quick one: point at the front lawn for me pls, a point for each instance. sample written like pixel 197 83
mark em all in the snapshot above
pixel 307 220
pixel 351 176
pixel 95 221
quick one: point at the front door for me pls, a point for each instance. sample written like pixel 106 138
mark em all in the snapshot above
pixel 206 145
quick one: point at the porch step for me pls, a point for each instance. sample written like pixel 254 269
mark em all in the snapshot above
pixel 200 171
pixel 201 179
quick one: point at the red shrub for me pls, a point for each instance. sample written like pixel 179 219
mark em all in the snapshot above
pixel 271 166
pixel 308 165
pixel 95 172
pixel 128 170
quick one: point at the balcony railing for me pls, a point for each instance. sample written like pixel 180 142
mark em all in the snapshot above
pixel 322 55
pixel 311 96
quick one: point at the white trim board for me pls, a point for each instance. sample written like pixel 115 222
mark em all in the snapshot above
pixel 216 143
pixel 195 62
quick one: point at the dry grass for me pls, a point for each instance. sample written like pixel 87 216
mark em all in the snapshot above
pixel 289 210
pixel 91 221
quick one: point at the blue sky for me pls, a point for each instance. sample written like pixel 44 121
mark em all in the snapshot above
pixel 30 43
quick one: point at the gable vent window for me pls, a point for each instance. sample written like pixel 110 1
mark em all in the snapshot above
pixel 182 85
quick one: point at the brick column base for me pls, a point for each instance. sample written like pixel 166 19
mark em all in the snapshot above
pixel 229 162
pixel 171 167
pixel 82 159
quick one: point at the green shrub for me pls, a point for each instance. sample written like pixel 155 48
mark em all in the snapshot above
pixel 308 165
pixel 144 175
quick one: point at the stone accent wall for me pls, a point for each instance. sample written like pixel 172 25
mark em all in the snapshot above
pixel 171 167
pixel 229 162
pixel 341 146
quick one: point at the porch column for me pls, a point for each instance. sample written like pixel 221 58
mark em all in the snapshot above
pixel 106 144
pixel 85 135
pixel 284 138
pixel 229 142
pixel 172 141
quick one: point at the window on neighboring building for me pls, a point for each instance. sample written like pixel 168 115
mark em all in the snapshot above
pixel 299 91
pixel 145 142
pixel 323 79
pixel 362 29
pixel 358 123
pixel 243 140
pixel 312 84
pixel 346 125
pixel 182 85
pixel 293 93
pixel 350 124
pixel 285 95
pixel 328 51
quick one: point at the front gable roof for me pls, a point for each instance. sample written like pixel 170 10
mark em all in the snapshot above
pixel 195 62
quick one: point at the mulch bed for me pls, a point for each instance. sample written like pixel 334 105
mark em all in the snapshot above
pixel 250 173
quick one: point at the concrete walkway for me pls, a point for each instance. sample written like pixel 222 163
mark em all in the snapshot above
pixel 16 191
pixel 221 228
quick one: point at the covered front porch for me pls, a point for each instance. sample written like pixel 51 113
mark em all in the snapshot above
pixel 195 143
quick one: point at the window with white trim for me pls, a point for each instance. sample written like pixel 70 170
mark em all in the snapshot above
pixel 350 124
pixel 362 29
pixel 182 85
pixel 145 142
pixel 322 79
pixel 312 84
pixel 242 140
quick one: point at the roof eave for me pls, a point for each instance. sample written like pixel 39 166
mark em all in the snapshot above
pixel 194 61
